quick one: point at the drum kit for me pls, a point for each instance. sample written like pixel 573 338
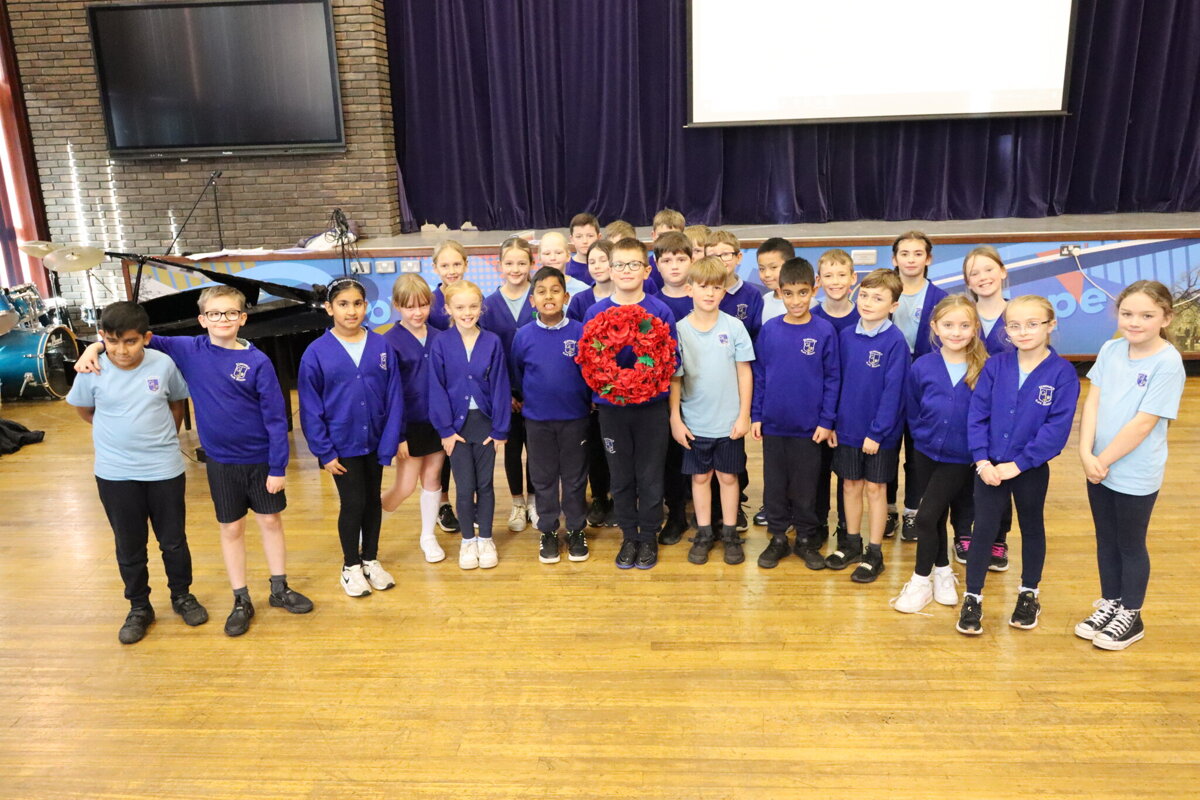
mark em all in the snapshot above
pixel 37 339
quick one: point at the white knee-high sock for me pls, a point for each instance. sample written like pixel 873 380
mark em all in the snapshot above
pixel 430 501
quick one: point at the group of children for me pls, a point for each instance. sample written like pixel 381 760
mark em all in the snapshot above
pixel 968 385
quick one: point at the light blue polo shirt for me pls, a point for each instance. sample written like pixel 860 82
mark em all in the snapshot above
pixel 1153 384
pixel 709 401
pixel 132 429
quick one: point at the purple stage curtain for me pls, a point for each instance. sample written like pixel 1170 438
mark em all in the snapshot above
pixel 521 113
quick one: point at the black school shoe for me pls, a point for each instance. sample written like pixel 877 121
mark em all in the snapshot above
pixel 137 622
pixel 647 555
pixel 577 546
pixel 889 527
pixel 188 607
pixel 597 511
pixel 810 551
pixel 777 550
pixel 970 619
pixel 291 600
pixel 702 544
pixel 870 568
pixel 849 551
pixel 673 531
pixel 743 524
pixel 238 621
pixel 446 519
pixel 627 554
pixel 1025 615
pixel 734 552
pixel 548 553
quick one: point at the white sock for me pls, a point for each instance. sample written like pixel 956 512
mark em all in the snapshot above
pixel 978 597
pixel 943 570
pixel 910 512
pixel 920 579
pixel 1027 589
pixel 430 502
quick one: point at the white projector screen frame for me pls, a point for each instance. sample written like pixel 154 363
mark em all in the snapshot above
pixel 777 62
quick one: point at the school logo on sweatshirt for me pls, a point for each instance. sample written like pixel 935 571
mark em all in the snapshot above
pixel 570 347
pixel 610 446
pixel 808 347
pixel 743 310
pixel 875 358
pixel 383 360
pixel 1045 395
pixel 723 339
pixel 1143 378
pixel 239 371
pixel 153 384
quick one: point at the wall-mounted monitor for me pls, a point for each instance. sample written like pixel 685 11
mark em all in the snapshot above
pixel 217 77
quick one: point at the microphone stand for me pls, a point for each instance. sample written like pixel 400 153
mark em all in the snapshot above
pixel 212 181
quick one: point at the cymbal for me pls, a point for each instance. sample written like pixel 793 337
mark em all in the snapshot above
pixel 74 258
pixel 38 249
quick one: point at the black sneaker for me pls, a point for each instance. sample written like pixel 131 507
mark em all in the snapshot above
pixel 673 531
pixel 1124 629
pixel 849 551
pixel 999 559
pixel 291 600
pixel 1025 615
pixel 734 552
pixel 188 607
pixel 548 553
pixel 960 550
pixel 647 555
pixel 1104 613
pixel 577 546
pixel 777 550
pixel 702 544
pixel 870 568
pixel 238 621
pixel 627 554
pixel 970 619
pixel 597 511
pixel 908 531
pixel 810 551
pixel 760 519
pixel 743 524
pixel 139 619
pixel 446 519
pixel 610 519
pixel 889 527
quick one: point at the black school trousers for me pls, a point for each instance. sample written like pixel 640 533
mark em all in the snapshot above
pixel 558 465
pixel 791 468
pixel 133 507
pixel 635 442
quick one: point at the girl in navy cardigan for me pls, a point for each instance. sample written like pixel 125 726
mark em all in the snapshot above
pixel 352 414
pixel 912 253
pixel 421 455
pixel 939 388
pixel 1019 419
pixel 504 311
pixel 470 405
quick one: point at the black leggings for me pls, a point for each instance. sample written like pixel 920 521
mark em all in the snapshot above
pixel 1121 521
pixel 823 493
pixel 516 472
pixel 361 512
pixel 1028 491
pixel 940 485
pixel 473 463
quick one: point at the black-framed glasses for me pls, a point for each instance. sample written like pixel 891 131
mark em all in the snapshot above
pixel 217 316
pixel 627 266
pixel 725 256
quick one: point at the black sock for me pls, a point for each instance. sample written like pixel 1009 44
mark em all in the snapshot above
pixel 241 594
pixel 877 549
pixel 704 531
pixel 278 584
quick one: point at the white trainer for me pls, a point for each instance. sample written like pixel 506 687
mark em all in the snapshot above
pixel 354 582
pixel 432 550
pixel 915 595
pixel 377 576
pixel 488 557
pixel 468 555
pixel 531 511
pixel 945 584
pixel 518 518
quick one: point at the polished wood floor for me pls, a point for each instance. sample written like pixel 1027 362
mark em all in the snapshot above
pixel 576 680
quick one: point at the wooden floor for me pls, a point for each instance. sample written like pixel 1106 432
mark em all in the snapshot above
pixel 576 680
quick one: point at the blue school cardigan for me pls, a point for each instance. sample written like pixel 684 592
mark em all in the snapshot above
pixel 348 410
pixel 1028 426
pixel 454 380
pixel 414 369
pixel 937 411
pixel 438 317
pixel 499 320
pixel 924 343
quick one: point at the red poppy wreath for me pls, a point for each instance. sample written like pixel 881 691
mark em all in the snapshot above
pixel 610 332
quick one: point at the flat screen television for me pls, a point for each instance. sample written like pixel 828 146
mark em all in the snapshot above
pixel 217 77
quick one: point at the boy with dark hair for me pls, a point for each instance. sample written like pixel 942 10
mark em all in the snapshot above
pixel 135 407
pixel 668 220
pixel 242 424
pixel 798 357
pixel 635 435
pixel 585 231
pixel 870 420
pixel 771 255
pixel 556 405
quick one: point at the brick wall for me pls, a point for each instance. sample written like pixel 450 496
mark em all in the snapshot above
pixel 265 201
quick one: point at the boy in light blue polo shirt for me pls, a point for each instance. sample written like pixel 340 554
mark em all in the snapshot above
pixel 135 406
pixel 710 406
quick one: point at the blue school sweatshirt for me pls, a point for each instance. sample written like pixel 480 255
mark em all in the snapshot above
pixel 579 271
pixel 438 317
pixel 545 376
pixel 454 380
pixel 240 412
pixel 348 410
pixel 839 323
pixel 937 410
pixel 797 374
pixel 625 358
pixel 498 319
pixel 580 303
pixel 414 369
pixel 680 306
pixel 1030 425
pixel 874 368
pixel 744 301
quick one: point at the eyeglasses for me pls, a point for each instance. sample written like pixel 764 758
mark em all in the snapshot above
pixel 725 256
pixel 217 316
pixel 627 266
pixel 1033 326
